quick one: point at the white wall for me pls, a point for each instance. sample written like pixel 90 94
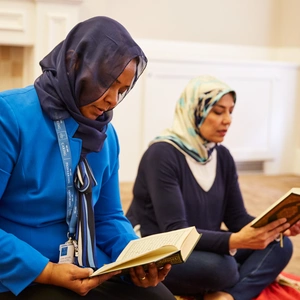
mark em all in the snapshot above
pixel 266 23
pixel 265 124
pixel 250 43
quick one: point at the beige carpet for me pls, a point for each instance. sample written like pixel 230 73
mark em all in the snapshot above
pixel 259 192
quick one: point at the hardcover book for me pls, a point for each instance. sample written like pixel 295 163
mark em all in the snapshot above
pixel 172 247
pixel 288 206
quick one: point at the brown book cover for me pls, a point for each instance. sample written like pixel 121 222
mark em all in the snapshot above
pixel 288 206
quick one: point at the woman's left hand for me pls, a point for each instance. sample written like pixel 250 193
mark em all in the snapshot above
pixel 152 277
pixel 293 230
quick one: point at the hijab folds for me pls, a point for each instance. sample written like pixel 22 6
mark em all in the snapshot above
pixel 193 106
pixel 80 69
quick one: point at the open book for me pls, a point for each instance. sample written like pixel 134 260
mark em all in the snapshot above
pixel 288 206
pixel 172 247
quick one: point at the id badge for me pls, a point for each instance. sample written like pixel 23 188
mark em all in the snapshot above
pixel 66 253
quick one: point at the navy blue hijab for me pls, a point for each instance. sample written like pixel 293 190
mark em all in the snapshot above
pixel 81 69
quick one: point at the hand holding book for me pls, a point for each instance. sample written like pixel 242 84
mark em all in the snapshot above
pixel 288 206
pixel 171 247
pixel 257 238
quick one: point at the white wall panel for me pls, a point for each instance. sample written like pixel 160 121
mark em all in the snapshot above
pixel 54 19
pixel 128 122
pixel 248 137
pixel 264 121
pixel 17 23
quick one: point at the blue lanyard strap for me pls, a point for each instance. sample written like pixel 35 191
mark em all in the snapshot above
pixel 65 151
pixel 84 181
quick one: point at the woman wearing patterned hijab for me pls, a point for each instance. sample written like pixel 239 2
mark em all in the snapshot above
pixel 187 178
pixel 60 208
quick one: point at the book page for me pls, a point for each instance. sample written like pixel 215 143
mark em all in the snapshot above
pixel 149 243
pixel 160 248
pixel 154 256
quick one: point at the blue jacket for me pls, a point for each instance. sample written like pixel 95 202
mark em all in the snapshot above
pixel 33 191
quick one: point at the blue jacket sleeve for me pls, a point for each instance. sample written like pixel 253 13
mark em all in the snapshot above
pixel 20 263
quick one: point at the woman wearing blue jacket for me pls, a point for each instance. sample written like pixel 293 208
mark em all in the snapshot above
pixel 60 209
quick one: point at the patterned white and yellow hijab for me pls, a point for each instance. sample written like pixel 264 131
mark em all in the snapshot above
pixel 193 106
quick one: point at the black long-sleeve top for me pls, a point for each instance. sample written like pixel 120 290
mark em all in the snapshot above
pixel 167 197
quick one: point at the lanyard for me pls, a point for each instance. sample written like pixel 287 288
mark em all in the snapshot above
pixel 65 151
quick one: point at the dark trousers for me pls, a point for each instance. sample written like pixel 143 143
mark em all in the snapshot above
pixel 113 289
pixel 243 276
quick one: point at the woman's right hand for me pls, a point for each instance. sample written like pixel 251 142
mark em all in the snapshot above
pixel 257 238
pixel 72 277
